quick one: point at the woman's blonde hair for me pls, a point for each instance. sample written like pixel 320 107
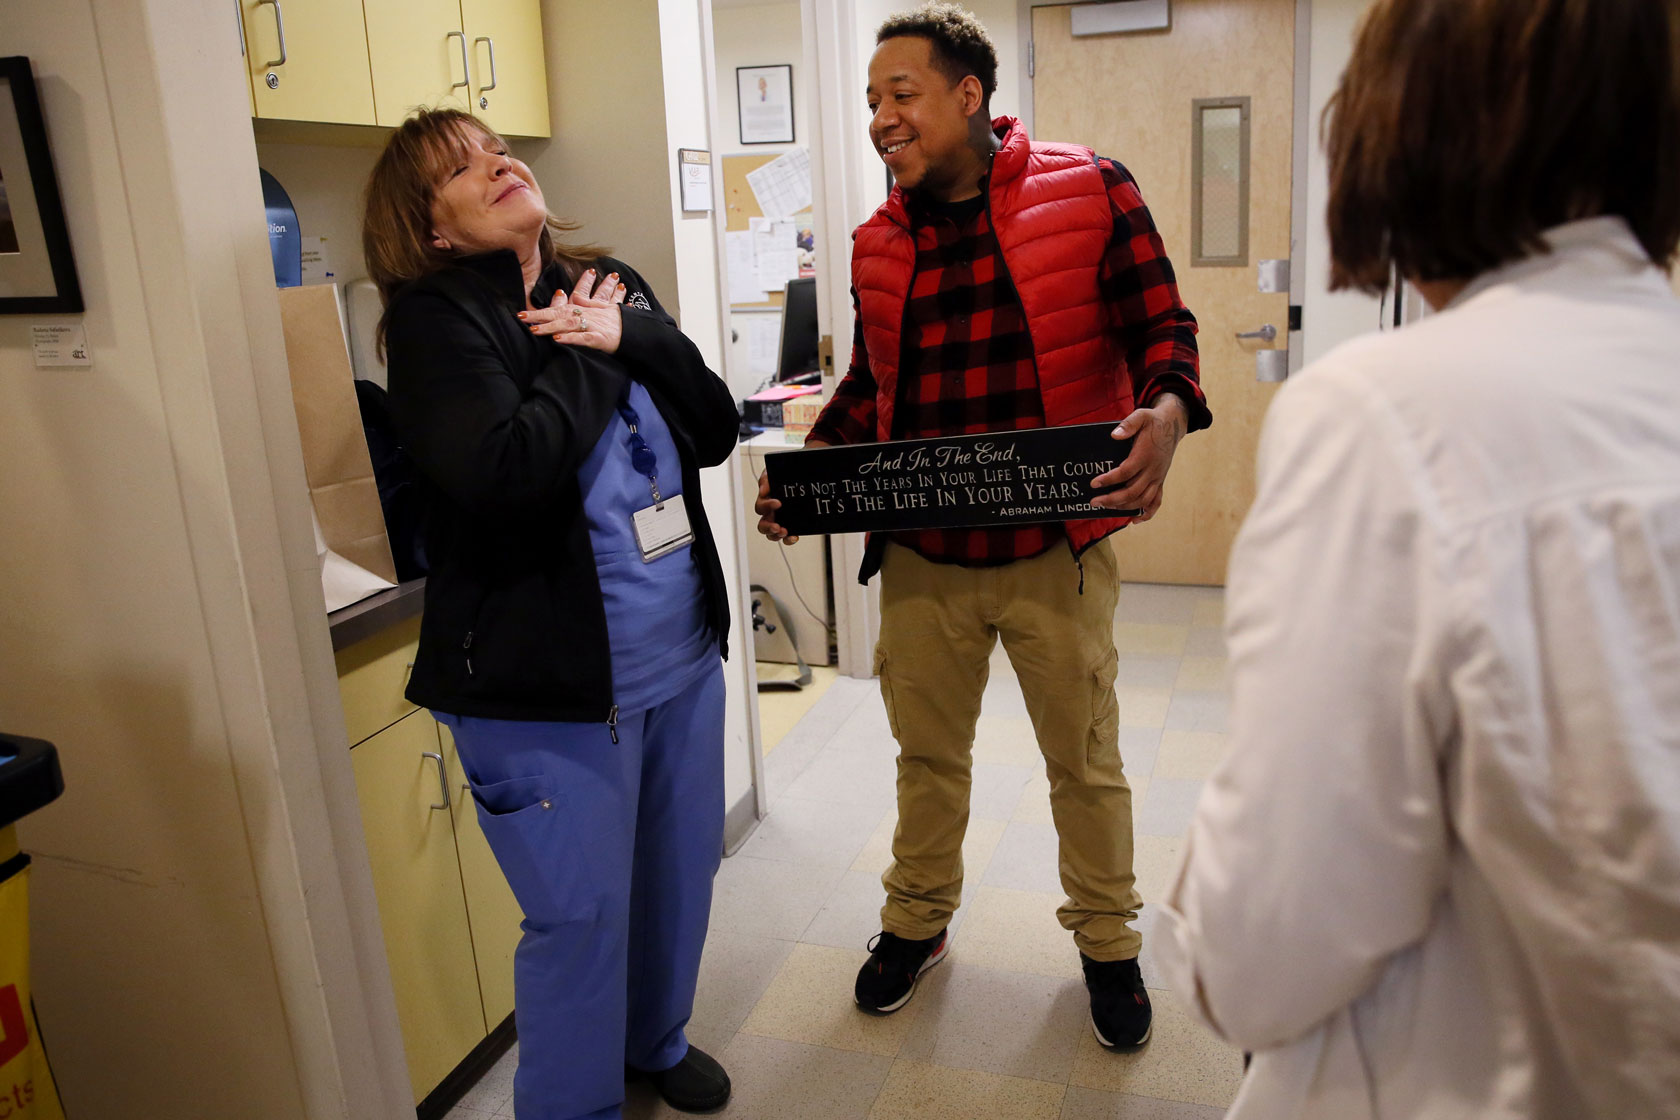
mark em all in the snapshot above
pixel 397 205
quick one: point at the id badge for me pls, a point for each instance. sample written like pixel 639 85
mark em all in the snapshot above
pixel 660 532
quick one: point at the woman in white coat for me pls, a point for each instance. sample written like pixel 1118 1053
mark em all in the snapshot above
pixel 1438 874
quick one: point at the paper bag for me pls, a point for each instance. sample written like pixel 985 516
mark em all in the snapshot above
pixel 342 582
pixel 335 453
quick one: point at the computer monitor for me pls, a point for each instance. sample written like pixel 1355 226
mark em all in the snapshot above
pixel 799 330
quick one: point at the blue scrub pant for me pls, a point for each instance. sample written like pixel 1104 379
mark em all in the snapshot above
pixel 610 849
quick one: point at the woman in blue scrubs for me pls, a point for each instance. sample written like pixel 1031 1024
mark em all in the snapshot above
pixel 575 609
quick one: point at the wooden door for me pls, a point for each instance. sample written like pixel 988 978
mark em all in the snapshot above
pixel 492 912
pixel 1132 97
pixel 325 75
pixel 417 879
pixel 419 56
pixel 509 75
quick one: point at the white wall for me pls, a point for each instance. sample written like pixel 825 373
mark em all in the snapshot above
pixel 1328 318
pixel 197 953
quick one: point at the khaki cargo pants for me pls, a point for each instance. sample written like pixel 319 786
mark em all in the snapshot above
pixel 939 623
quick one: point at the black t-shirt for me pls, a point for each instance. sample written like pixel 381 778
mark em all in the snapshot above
pixel 959 212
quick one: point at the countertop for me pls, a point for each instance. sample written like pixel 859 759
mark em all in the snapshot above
pixel 368 617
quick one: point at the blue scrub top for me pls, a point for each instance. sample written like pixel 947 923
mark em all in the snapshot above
pixel 656 612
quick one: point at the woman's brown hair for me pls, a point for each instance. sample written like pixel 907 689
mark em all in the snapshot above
pixel 1463 129
pixel 397 205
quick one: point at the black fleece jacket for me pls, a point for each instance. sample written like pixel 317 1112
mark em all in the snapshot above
pixel 498 423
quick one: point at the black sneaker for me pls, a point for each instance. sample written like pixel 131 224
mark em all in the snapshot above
pixel 695 1084
pixel 1120 1011
pixel 887 979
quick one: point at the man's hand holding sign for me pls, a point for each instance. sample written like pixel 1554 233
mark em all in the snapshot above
pixel 1014 477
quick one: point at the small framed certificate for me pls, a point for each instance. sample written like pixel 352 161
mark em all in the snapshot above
pixel 694 166
pixel 765 97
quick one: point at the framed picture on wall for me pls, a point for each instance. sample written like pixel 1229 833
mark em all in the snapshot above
pixel 765 97
pixel 37 272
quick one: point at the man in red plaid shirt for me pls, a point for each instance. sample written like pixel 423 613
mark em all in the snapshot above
pixel 1005 284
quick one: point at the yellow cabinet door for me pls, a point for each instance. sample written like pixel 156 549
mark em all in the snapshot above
pixel 509 76
pixel 372 675
pixel 419 56
pixel 402 788
pixel 308 60
pixel 491 910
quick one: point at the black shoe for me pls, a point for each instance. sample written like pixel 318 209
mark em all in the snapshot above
pixel 1120 1011
pixel 695 1084
pixel 887 979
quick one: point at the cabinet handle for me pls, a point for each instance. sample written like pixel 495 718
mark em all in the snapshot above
pixel 239 18
pixel 443 782
pixel 492 42
pixel 280 27
pixel 466 73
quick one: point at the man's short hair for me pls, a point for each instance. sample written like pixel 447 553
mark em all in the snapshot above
pixel 960 44
pixel 1462 129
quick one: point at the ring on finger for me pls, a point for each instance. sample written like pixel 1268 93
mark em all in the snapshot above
pixel 577 318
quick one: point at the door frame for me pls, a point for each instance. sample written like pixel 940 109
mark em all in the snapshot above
pixel 832 37
pixel 737 827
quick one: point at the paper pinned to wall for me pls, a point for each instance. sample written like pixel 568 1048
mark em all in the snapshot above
pixel 317 267
pixel 775 243
pixel 783 186
pixel 764 342
pixel 743 267
pixel 773 234
pixel 776 267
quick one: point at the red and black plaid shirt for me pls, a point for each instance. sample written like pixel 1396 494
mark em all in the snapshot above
pixel 967 363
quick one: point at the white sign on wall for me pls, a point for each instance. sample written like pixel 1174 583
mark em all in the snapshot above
pixel 60 345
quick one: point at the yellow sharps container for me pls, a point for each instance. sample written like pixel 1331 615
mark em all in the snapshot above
pixel 29 779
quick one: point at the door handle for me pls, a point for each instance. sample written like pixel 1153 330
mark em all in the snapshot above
pixel 443 782
pixel 492 42
pixel 280 27
pixel 1267 333
pixel 466 72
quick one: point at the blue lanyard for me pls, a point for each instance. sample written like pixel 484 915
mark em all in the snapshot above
pixel 642 457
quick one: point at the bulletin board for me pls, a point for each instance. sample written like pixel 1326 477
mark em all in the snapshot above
pixel 740 205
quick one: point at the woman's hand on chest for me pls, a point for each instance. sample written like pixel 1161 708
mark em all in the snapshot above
pixel 589 316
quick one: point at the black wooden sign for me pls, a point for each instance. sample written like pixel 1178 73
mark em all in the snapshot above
pixel 1001 478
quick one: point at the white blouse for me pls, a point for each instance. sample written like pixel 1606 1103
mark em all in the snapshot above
pixel 1438 874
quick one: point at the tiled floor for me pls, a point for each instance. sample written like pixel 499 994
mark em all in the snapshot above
pixel 999 1031
pixel 779 711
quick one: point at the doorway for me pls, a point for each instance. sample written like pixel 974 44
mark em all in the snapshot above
pixel 765 147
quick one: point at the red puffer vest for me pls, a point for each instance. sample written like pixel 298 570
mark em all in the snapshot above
pixel 1050 211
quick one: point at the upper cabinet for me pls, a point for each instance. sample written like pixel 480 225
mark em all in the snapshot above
pixel 419 56
pixel 341 62
pixel 509 78
pixel 308 60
